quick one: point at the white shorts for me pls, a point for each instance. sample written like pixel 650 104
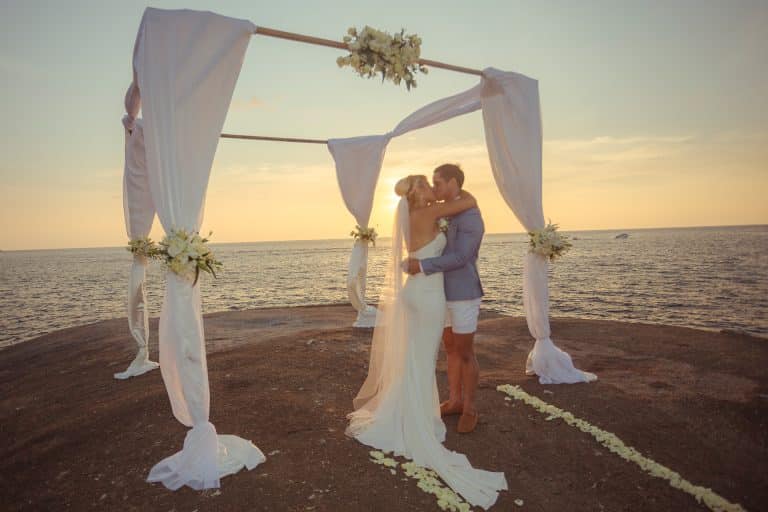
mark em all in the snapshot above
pixel 461 315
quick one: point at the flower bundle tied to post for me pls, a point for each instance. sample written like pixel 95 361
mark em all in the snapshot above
pixel 364 234
pixel 186 254
pixel 143 247
pixel 548 242
pixel 182 252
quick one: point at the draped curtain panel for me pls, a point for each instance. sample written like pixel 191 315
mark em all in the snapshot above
pixel 186 64
pixel 513 134
pixel 358 164
pixel 139 215
pixel 356 284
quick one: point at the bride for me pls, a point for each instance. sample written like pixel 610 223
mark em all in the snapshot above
pixel 397 408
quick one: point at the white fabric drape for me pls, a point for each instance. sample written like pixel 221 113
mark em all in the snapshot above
pixel 358 164
pixel 356 284
pixel 512 120
pixel 139 214
pixel 440 110
pixel 186 63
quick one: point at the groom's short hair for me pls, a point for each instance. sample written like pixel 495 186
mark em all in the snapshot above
pixel 449 171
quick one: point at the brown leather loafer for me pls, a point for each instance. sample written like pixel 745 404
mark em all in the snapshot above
pixel 467 422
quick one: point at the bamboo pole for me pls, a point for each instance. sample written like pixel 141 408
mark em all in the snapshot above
pixel 277 139
pixel 263 31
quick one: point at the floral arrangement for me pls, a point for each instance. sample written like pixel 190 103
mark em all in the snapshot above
pixel 549 242
pixel 702 495
pixel 373 51
pixel 143 247
pixel 186 254
pixel 364 234
pixel 443 223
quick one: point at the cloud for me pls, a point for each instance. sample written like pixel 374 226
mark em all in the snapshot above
pixel 615 149
pixel 581 161
pixel 642 160
pixel 637 161
pixel 608 159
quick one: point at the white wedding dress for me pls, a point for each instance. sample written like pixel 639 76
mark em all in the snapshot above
pixel 397 408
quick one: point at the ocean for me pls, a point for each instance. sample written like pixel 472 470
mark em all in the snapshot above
pixel 710 278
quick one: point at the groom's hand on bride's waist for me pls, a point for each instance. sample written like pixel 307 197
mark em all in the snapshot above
pixel 413 266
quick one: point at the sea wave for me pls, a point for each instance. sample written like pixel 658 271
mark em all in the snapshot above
pixel 710 278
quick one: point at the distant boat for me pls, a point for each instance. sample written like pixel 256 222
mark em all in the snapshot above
pixel 623 235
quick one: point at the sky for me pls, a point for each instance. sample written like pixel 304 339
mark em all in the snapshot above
pixel 655 114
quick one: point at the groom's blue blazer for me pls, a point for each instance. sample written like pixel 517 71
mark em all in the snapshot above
pixel 458 263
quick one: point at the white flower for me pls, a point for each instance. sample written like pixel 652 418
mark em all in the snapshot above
pixel 198 247
pixel 176 247
pixel 374 51
pixel 427 481
pixel 364 234
pixel 615 445
pixel 548 242
pixel 186 254
pixel 143 247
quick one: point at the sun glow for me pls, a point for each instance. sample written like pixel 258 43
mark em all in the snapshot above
pixel 386 188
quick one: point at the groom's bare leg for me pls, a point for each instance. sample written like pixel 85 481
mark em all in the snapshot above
pixel 454 370
pixel 470 369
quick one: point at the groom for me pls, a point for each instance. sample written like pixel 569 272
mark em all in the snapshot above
pixel 463 293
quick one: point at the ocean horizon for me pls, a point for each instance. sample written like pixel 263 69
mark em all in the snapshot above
pixel 227 242
pixel 712 277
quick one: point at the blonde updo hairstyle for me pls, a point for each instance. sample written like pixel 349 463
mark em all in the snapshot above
pixel 406 188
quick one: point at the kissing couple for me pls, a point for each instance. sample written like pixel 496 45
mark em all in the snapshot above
pixel 431 291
